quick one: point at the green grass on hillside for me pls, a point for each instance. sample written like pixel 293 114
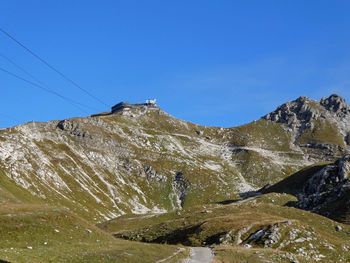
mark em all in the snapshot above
pixel 221 224
pixel 322 132
pixel 38 233
pixel 10 192
pixel 262 133
pixel 238 254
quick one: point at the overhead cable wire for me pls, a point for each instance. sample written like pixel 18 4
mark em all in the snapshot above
pixel 22 69
pixel 45 89
pixel 51 67
pixel 43 85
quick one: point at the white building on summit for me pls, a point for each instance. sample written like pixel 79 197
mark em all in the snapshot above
pixel 152 102
pixel 124 105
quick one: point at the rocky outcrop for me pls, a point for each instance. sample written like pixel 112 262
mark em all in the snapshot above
pixel 302 111
pixel 304 114
pixel 336 104
pixel 327 191
pixel 152 174
pixel 180 186
pixel 296 114
pixel 267 236
pixel 72 127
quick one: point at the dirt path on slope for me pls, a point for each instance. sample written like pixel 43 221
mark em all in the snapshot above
pixel 200 255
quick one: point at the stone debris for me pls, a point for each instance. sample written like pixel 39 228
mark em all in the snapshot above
pixel 345 247
pixel 338 228
pixel 199 132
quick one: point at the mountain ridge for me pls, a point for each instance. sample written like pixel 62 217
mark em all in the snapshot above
pixel 140 174
pixel 135 146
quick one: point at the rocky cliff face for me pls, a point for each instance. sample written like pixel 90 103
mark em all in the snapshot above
pixel 327 191
pixel 322 188
pixel 141 159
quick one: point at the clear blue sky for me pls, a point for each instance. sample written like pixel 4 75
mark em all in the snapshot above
pixel 220 63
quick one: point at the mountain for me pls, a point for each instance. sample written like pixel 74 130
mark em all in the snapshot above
pixel 142 159
pixel 138 159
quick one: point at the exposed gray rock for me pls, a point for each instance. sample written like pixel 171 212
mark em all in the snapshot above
pixel 180 186
pixel 267 236
pixel 347 138
pixel 199 132
pixel 300 115
pixel 338 228
pixel 288 222
pixel 72 127
pixel 152 174
pixel 303 110
pixel 336 104
pixel 326 187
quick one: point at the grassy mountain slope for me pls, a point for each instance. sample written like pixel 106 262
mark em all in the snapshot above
pixel 276 232
pixel 39 233
pixel 164 180
pixel 141 160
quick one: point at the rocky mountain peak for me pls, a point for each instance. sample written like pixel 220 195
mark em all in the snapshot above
pixel 310 121
pixel 302 99
pixel 335 103
pixel 303 110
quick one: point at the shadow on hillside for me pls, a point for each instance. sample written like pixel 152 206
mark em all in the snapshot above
pixel 245 196
pixel 336 207
pixel 178 236
pixel 227 202
pixel 293 185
